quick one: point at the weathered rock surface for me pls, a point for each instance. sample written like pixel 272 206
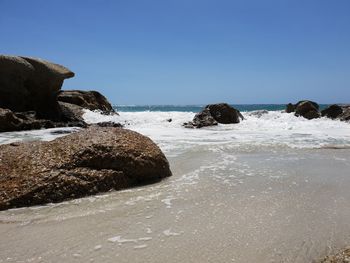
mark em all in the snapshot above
pixel 83 163
pixel 332 111
pixel 31 84
pixel 224 113
pixel 91 100
pixel 341 257
pixel 213 114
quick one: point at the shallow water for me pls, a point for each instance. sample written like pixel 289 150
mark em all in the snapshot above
pixel 237 194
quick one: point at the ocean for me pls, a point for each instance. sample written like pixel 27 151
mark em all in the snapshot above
pixel 273 188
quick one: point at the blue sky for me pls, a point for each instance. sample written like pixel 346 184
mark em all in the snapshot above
pixel 189 52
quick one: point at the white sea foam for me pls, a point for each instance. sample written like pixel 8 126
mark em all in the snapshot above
pixel 270 129
pixel 273 128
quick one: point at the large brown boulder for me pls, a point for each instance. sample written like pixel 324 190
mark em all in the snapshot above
pixel 91 100
pixel 31 84
pixel 87 162
pixel 224 113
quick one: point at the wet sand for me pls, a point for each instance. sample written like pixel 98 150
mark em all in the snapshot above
pixel 272 204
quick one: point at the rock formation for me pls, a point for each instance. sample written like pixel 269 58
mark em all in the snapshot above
pixel 29 89
pixel 94 160
pixel 31 84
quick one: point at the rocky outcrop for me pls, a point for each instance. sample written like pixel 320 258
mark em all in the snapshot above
pixel 87 162
pixel 91 100
pixel 332 111
pixel 213 114
pixel 29 89
pixel 31 84
pixel 305 108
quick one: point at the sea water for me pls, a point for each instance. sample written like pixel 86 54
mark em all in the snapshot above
pixel 273 188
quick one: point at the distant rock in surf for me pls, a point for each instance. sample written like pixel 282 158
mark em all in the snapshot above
pixel 84 163
pixel 213 114
pixel 305 108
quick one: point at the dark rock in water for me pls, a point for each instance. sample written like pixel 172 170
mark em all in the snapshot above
pixel 224 113
pixel 332 111
pixel 307 109
pixel 290 108
pixel 80 164
pixel 109 124
pixel 201 119
pixel 31 84
pixel 91 100
pixel 169 120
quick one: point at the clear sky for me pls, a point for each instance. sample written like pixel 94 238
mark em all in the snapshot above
pixel 189 51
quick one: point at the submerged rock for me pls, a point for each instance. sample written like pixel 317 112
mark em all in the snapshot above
pixel 80 164
pixel 258 113
pixel 91 100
